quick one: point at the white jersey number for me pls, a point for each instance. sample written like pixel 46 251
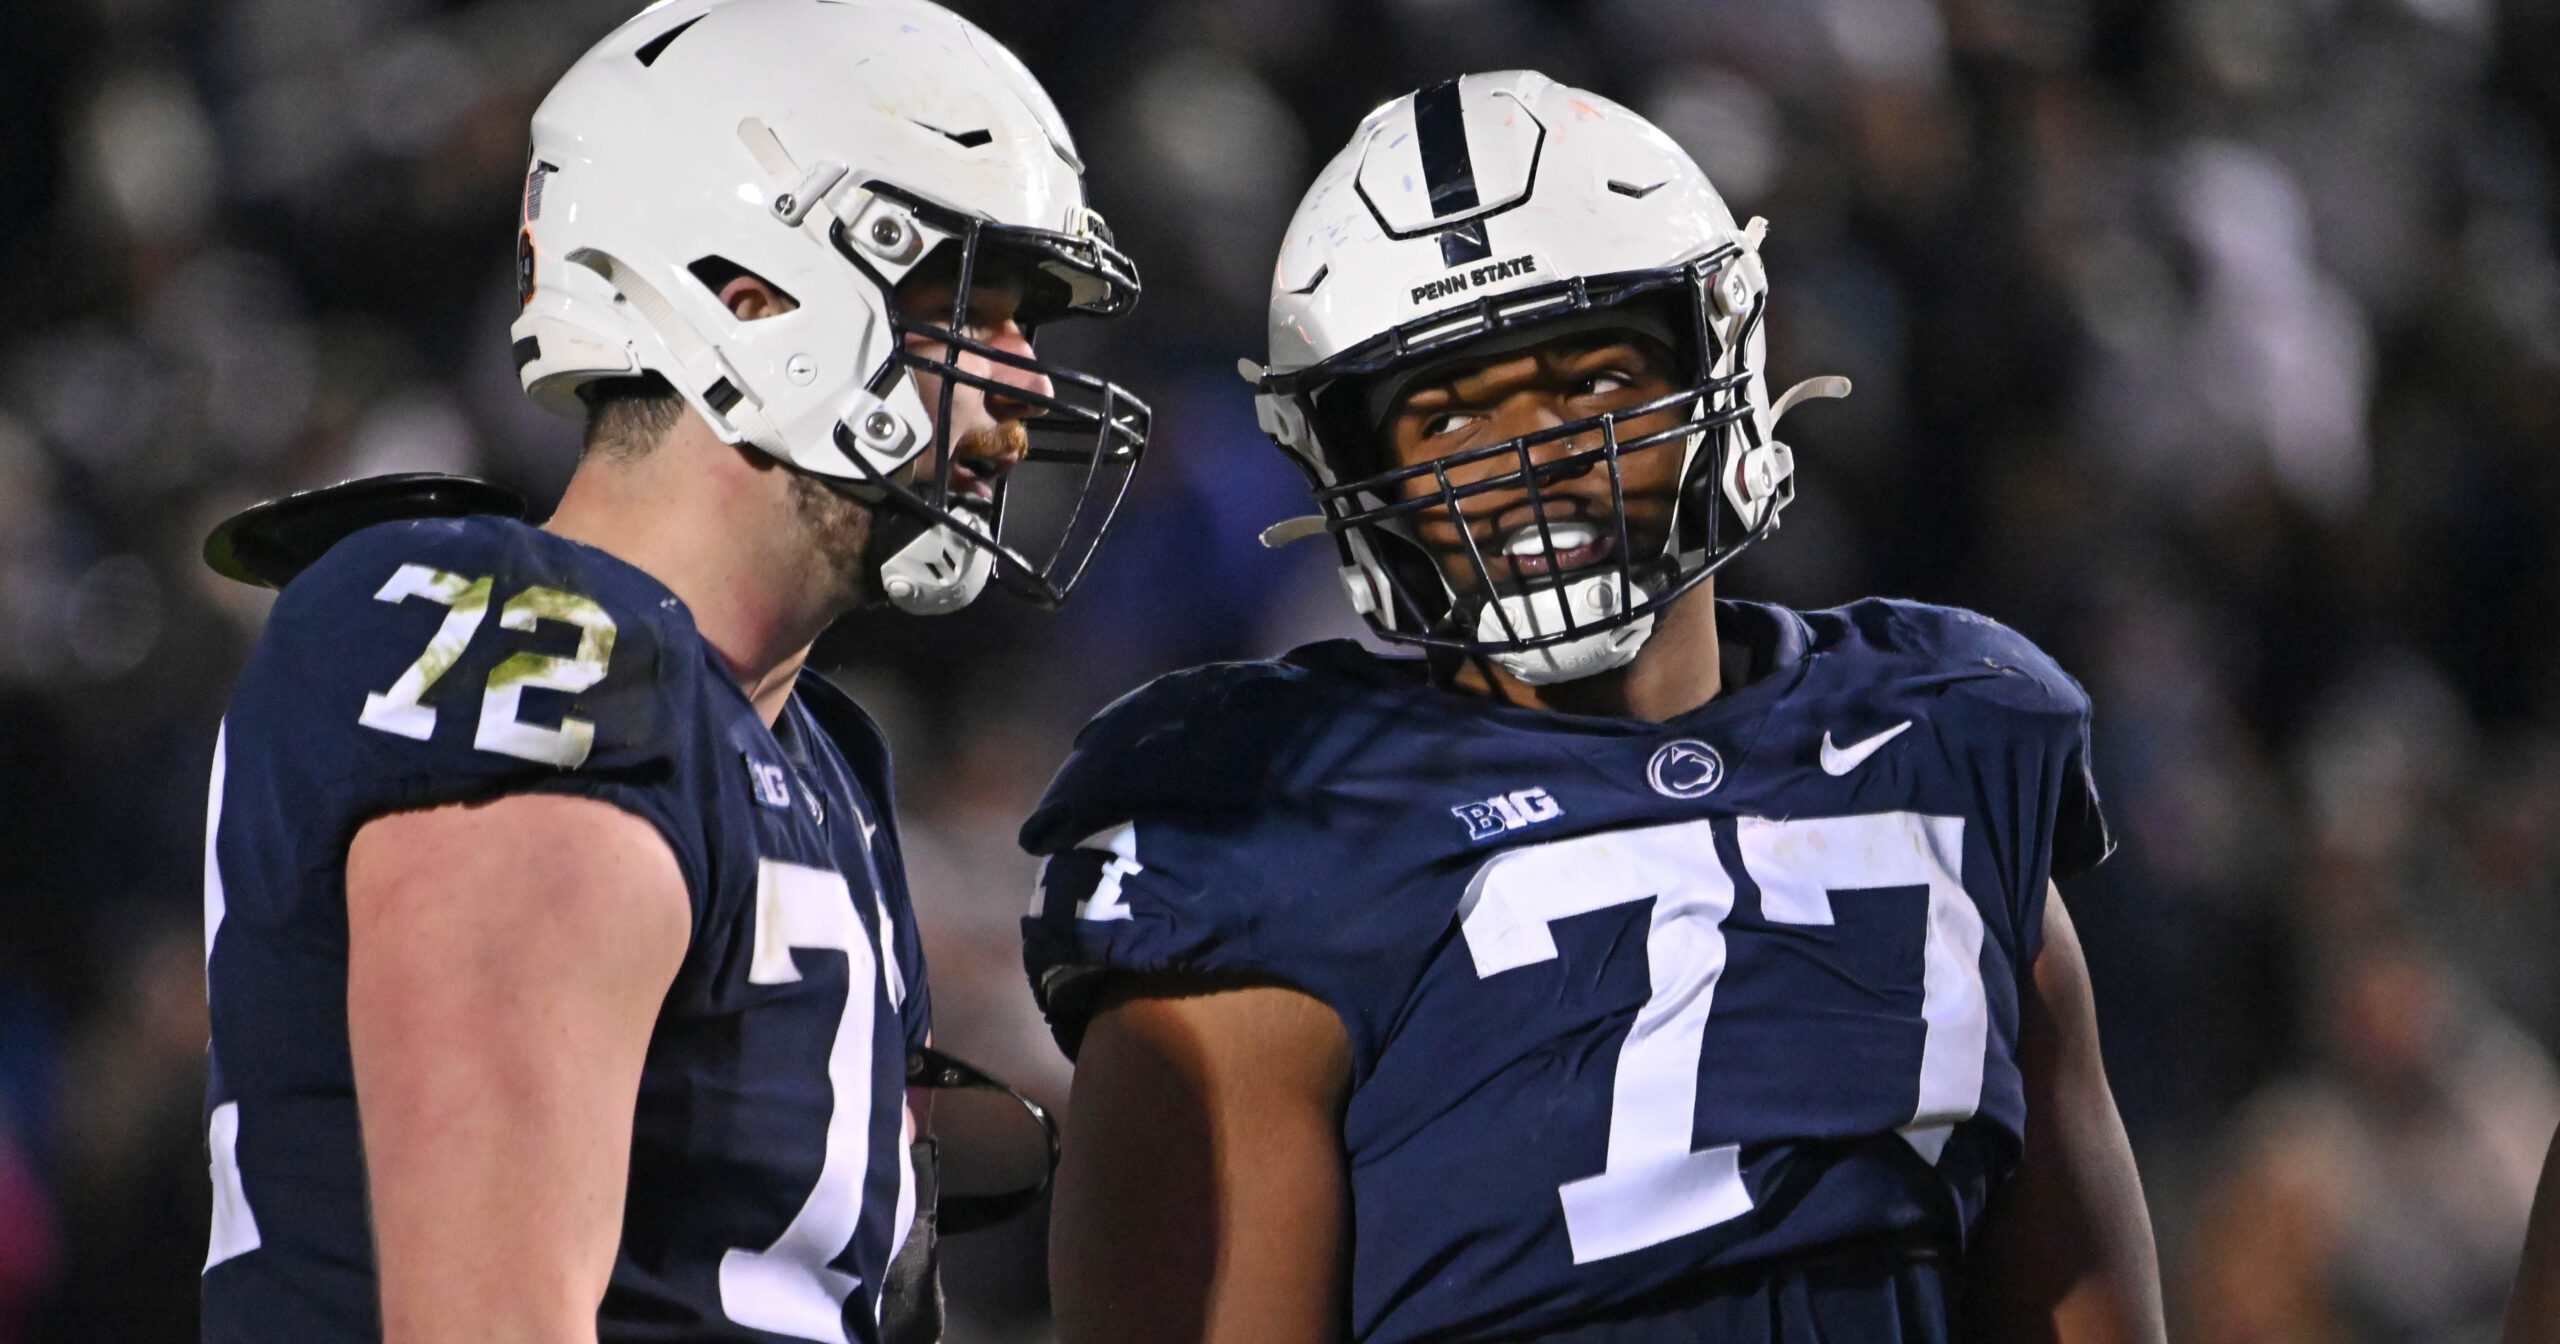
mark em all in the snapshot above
pixel 788 1287
pixel 235 1225
pixel 1654 1186
pixel 399 710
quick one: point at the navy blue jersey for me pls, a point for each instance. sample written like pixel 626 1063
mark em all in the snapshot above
pixel 1632 1006
pixel 442 661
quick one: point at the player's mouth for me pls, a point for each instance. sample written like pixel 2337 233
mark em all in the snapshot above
pixel 979 463
pixel 1562 546
pixel 967 486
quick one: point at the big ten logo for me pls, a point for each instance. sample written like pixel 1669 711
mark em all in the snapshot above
pixel 1504 813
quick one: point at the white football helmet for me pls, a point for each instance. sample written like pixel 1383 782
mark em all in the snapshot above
pixel 1484 214
pixel 829 147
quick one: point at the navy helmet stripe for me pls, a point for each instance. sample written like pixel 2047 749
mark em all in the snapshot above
pixel 1440 132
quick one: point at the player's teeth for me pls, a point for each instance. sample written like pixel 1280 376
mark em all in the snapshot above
pixel 1567 536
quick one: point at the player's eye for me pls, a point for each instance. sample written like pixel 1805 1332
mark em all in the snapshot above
pixel 1602 383
pixel 989 317
pixel 1446 422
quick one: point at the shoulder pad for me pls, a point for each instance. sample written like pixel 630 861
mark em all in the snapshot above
pixel 1971 655
pixel 1989 659
pixel 269 544
pixel 1204 742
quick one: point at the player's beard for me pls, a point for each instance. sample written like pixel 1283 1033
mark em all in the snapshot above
pixel 837 529
pixel 843 531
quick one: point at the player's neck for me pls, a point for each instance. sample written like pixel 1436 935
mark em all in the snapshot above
pixel 715 524
pixel 1679 669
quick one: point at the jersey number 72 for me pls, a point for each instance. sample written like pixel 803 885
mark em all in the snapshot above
pixel 400 709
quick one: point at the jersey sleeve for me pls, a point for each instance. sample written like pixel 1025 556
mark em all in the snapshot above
pixel 461 660
pixel 2082 839
pixel 2054 729
pixel 1173 841
pixel 2033 758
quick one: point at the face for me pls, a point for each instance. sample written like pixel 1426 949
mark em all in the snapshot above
pixel 985 432
pixel 1486 403
pixel 987 436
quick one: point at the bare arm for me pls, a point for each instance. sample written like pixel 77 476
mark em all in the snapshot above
pixel 505 965
pixel 1201 1194
pixel 2533 1309
pixel 2066 1255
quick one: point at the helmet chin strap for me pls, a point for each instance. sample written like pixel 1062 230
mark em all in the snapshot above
pixel 1542 612
pixel 928 567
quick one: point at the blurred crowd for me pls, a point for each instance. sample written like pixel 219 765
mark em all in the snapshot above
pixel 2213 343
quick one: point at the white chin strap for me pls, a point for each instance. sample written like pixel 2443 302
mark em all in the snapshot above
pixel 938 573
pixel 1542 612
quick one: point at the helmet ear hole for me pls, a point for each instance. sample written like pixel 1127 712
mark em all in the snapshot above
pixel 717 273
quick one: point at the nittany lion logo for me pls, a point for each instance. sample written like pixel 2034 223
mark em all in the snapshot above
pixel 1685 769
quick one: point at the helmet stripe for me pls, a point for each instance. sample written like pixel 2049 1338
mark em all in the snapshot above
pixel 1440 133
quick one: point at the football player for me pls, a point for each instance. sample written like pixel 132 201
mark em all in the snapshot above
pixel 1633 965
pixel 564 981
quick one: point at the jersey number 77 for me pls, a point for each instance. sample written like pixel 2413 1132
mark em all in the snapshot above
pixel 1655 1186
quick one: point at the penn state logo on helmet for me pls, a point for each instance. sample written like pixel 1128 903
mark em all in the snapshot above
pixel 832 150
pixel 1483 215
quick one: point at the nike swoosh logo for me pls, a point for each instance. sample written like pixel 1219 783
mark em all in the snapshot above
pixel 1842 760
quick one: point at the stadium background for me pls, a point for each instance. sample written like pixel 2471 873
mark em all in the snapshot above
pixel 2213 343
